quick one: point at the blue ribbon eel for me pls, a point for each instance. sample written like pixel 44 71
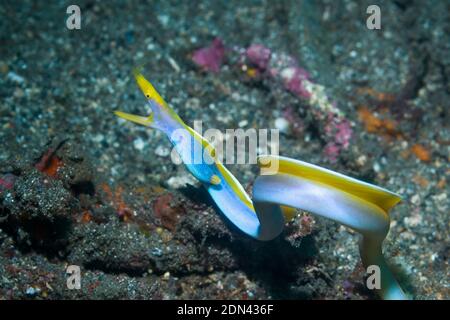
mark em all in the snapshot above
pixel 284 185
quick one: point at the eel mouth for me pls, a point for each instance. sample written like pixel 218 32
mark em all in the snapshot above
pixel 145 121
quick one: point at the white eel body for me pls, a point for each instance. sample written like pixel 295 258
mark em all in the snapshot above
pixel 283 184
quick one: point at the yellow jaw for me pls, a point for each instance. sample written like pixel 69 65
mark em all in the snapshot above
pixel 145 121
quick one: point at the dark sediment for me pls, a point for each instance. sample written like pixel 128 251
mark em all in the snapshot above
pixel 77 186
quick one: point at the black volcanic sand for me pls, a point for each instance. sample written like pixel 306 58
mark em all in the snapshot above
pixel 80 187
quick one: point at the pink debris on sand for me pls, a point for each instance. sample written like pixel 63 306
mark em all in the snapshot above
pixel 338 130
pixel 258 55
pixel 285 69
pixel 210 58
pixel 7 181
pixel 348 287
pixel 279 62
pixel 293 78
pixel 332 151
pixel 295 121
pixel 343 133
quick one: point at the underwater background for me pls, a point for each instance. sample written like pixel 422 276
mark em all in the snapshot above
pixel 78 186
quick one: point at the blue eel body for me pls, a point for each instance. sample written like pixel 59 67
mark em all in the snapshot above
pixel 294 184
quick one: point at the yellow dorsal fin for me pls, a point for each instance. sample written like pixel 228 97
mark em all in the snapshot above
pixel 229 178
pixel 383 198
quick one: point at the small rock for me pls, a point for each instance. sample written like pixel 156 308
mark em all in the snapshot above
pixel 162 151
pixel 415 199
pixel 98 138
pixel 32 291
pixel 181 181
pixel 376 167
pixel 14 77
pixel 361 161
pixel 440 197
pixel 242 123
pixel 139 144
pixel 157 252
pixel 413 221
pixel 282 124
pixel 194 103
